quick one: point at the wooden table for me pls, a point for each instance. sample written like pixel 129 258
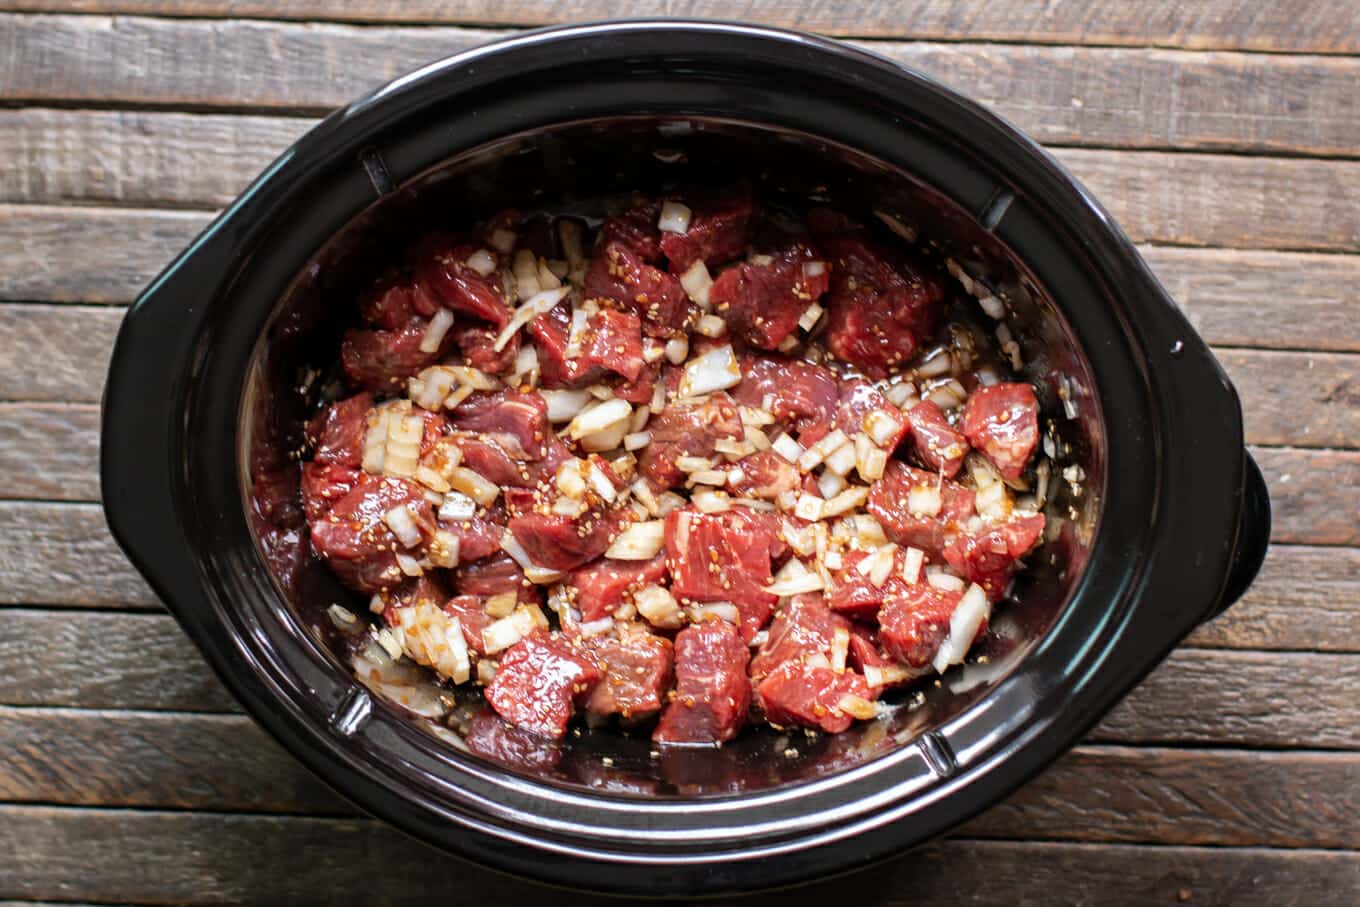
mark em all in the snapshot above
pixel 1224 135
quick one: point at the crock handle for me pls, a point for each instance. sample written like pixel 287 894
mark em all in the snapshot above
pixel 1253 537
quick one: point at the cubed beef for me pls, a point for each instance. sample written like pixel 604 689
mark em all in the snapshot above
pixel 637 668
pixel 516 421
pixel 798 394
pixel 560 542
pixel 504 744
pixel 913 623
pixel 858 399
pixel 472 617
pixel 539 681
pixel 640 389
pixel 817 697
pixel 988 557
pixel 866 653
pixel 494 576
pixel 617 273
pixel 477 343
pixel 723 557
pixel 325 483
pixel 497 465
pixel 381 361
pixel 1002 421
pixel 712 694
pixel 888 500
pixel 805 626
pixel 354 541
pixel 636 228
pixel 441 267
pixel 337 432
pixel 601 586
pixel 426 589
pixel 394 302
pixel 852 593
pixel 687 430
pixel 719 229
pixel 935 444
pixel 765 475
pixel 611 342
pixel 881 307
pixel 479 536
pixel 762 300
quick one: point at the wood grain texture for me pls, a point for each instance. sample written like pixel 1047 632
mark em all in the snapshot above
pixel 58 354
pixel 161 858
pixel 1319 26
pixel 1258 699
pixel 63 554
pixel 78 757
pixel 159 159
pixel 49 450
pixel 1083 96
pixel 1314 494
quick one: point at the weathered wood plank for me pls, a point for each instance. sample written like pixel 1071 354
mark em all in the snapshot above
pixel 1098 96
pixel 79 757
pixel 1314 494
pixel 1303 598
pixel 63 554
pixel 59 354
pixel 159 857
pixel 1319 26
pixel 159 159
pixel 141 661
pixel 49 450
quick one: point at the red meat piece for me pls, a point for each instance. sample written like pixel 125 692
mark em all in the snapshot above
pixel 540 679
pixel 640 389
pixel 712 694
pixel 478 537
pixel 424 589
pixel 881 307
pixel 441 267
pixel 559 542
pixel 617 273
pixel 637 668
pixel 325 483
pixel 719 229
pixel 765 475
pixel 517 421
pixel 935 444
pixel 637 230
pixel 865 653
pixel 798 694
pixel 602 586
pixel 493 462
pixel 472 617
pixel 854 595
pixel 381 361
pixel 723 557
pixel 494 576
pixel 805 626
pixel 988 557
pixel 913 623
pixel 763 302
pixel 504 744
pixel 354 541
pixel 477 343
pixel 858 399
pixel 337 432
pixel 888 504
pixel 395 302
pixel 612 342
pixel 799 394
pixel 689 430
pixel 1002 421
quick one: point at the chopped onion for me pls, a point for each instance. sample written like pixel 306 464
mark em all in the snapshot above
pixel 726 610
pixel 675 217
pixel 501 605
pixel 814 455
pixel 800 538
pixel 375 441
pixel 830 483
pixel 569 507
pixel 993 502
pixel 341 616
pixel 444 549
pixel 597 627
pixel 715 370
pixel 886 675
pixel 481 261
pixel 902 395
pixel 840 649
pixel 659 608
pixel 948 395
pixel 972 610
pixel 841 460
pixel 504 633
pixel 881 427
pixel 525 269
pixel 599 418
pixel 993 306
pixel 911 565
pixel 896 225
pixel 403 526
pixel 434 331
pixel 857 707
pixel 845 501
pixel 873 464
pixel 878 565
pixel 710 500
pixel 639 542
pixel 600 482
pixel 814 268
pixel 431 479
pixel 457 507
pixel 677 350
pixel 715 477
pixel 534 572
pixel 755 418
pixel 569 232
pixel 408 565
pixel 474 485
pixel 502 240
pixel 937 364
pixel 812 314
pixel 757 439
pixel 786 447
pixel 794 578
pixel 563 406
pixel 637 440
pixel 808 507
pixel 435 640
pixel 940 579
pixel 710 326
pixel 526 366
pixel 668 501
pixel 923 500
pixel 761 260
pixel 535 305
pixel 576 331
pixel 697 282
pixel 788 344
pixel 570 481
pixel 486 671
pixel 547 280
pixel 642 492
pixel 652 350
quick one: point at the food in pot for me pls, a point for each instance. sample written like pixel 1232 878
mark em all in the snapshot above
pixel 701 465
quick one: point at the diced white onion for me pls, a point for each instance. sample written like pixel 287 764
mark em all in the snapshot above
pixel 794 578
pixel 599 418
pixel 845 501
pixel 878 565
pixel 911 565
pixel 840 649
pixel 434 331
pixel 677 350
pixel 547 280
pixel 576 331
pixel 830 484
pixel 637 440
pixel 885 676
pixel 993 501
pixel 808 507
pixel 534 572
pixel 924 500
pixel 444 549
pixel 504 633
pixel 786 447
pixel 697 282
pixel 502 240
pixel 668 501
pixel 639 542
pixel 408 565
pixel 940 579
pixel 972 610
pixel 993 306
pixel 882 427
pixel 652 350
pixel 675 217
pixel 600 482
pixel 812 314
pixel 403 525
pixel 896 225
pixel 937 364
pixel 457 507
pixel 800 538
pixel 857 707
pixel 435 640
pixel 715 370
pixel 481 261
pixel 726 610
pixel 710 326
pixel 474 485
pixel 525 269
pixel 501 604
pixel 710 500
pixel 755 418
pixel 874 463
pixel 535 305
pixel 948 395
pixel 841 460
pixel 714 477
pixel 526 365
pixel 813 456
pixel 564 405
pixel 658 607
pixel 901 394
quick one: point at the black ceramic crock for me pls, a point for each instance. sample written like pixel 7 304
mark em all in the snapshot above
pixel 1169 527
